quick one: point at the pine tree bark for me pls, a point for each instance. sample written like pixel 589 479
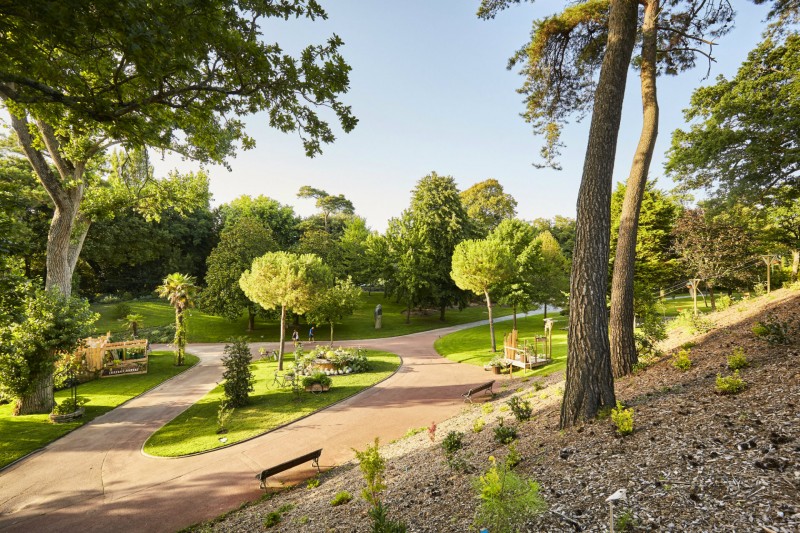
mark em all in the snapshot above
pixel 589 382
pixel 621 324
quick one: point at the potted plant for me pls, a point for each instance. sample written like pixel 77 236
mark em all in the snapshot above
pixel 497 364
pixel 68 410
pixel 317 382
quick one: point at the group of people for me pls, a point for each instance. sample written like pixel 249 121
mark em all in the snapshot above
pixel 296 335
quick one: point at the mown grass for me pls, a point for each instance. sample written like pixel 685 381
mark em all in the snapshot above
pixel 20 435
pixel 473 345
pixel 203 327
pixel 271 406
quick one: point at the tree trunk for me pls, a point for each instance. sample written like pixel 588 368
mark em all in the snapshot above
pixel 180 337
pixel 515 317
pixel 589 382
pixel 251 319
pixel 283 334
pixel 39 400
pixel 442 309
pixel 331 333
pixel 408 314
pixel 795 263
pixel 545 311
pixel 491 322
pixel 711 295
pixel 621 325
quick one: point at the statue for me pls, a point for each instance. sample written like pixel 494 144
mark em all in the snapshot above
pixel 378 316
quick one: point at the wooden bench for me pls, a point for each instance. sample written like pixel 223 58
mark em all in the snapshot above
pixel 277 469
pixel 486 386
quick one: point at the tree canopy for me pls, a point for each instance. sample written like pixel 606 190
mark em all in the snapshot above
pixel 487 205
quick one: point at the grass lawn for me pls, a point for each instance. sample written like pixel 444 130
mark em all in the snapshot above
pixel 20 435
pixel 195 430
pixel 203 327
pixel 473 345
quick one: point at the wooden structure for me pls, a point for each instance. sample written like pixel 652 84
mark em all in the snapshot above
pixel 116 358
pixel 533 355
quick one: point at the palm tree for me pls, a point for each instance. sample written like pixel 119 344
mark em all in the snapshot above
pixel 179 289
pixel 133 322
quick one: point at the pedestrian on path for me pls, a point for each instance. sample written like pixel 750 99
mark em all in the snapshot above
pixel 311 334
pixel 295 337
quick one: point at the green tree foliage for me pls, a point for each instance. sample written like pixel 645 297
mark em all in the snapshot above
pixel 179 289
pixel 238 376
pixel 783 223
pixel 319 242
pixel 287 281
pixel 240 242
pixel 552 276
pixel 480 266
pixel 487 205
pixel 439 220
pixel 327 203
pixel 280 219
pixel 51 324
pixel 335 303
pixel 560 227
pixel 353 248
pixel 742 143
pixel 519 289
pixel 406 262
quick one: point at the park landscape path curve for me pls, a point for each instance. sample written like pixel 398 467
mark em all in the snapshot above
pixel 98 479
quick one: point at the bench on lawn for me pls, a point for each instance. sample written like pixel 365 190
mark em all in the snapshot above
pixel 277 469
pixel 486 386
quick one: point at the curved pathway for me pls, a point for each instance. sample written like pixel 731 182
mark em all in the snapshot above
pixel 97 478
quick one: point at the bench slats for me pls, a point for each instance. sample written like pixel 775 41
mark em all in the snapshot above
pixel 486 386
pixel 297 461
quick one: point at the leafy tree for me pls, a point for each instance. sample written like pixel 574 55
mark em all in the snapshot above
pixel 323 244
pixel 353 248
pixel 180 290
pixel 238 376
pixel 133 322
pixel 407 261
pixel 327 203
pixel 240 243
pixel 552 272
pixel 51 324
pixel 712 248
pixel 518 290
pixel 280 219
pixel 335 303
pixel 487 205
pixel 480 266
pixel 287 281
pixel 439 220
pixel 562 229
pixel 783 223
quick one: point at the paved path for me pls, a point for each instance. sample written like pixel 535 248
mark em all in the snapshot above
pixel 97 478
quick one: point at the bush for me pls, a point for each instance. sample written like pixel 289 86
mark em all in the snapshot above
pixel 341 498
pixel 272 519
pixel 730 384
pixel 238 376
pixel 723 302
pixel 682 361
pixel 317 377
pixel 487 408
pixel 121 310
pixel 504 434
pixel 695 323
pixel 478 425
pixel 69 405
pixel 312 483
pixel 223 414
pixel 507 500
pixel 760 289
pixel 772 330
pixel 623 419
pixel 738 359
pixel 452 442
pixel 521 408
pixel 373 467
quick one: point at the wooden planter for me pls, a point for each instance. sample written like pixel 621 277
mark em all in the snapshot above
pixel 496 369
pixel 318 387
pixel 69 417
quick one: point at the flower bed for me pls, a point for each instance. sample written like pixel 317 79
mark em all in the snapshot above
pixel 331 362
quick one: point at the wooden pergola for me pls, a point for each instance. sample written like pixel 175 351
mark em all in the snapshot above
pixel 116 358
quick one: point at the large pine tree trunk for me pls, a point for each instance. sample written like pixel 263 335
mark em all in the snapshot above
pixel 621 325
pixel 589 382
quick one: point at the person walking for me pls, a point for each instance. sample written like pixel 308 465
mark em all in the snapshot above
pixel 295 337
pixel 311 334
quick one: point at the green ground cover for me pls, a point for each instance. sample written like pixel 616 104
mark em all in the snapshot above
pixel 473 345
pixel 271 406
pixel 20 435
pixel 208 328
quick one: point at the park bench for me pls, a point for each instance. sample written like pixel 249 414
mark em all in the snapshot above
pixel 297 461
pixel 486 386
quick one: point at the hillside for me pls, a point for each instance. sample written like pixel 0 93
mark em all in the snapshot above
pixel 697 460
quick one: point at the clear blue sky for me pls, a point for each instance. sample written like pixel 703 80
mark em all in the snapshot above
pixel 430 88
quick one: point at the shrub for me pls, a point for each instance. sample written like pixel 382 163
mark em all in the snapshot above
pixel 312 483
pixel 432 431
pixel 695 323
pixel 382 524
pixel 452 442
pixel 724 302
pixel 507 500
pixel 504 434
pixel 272 519
pixel 760 289
pixel 738 359
pixel 317 378
pixel 487 408
pixel 478 425
pixel 772 330
pixel 623 419
pixel 730 384
pixel 688 345
pixel 238 376
pixel 121 310
pixel 69 405
pixel 341 498
pixel 538 385
pixel 372 467
pixel 521 408
pixel 682 361
pixel 414 431
pixel 223 414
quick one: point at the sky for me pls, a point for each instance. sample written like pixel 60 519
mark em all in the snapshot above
pixel 430 88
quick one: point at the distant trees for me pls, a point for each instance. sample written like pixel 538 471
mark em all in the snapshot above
pixel 335 303
pixel 328 204
pixel 480 266
pixel 487 205
pixel 287 281
pixel 179 289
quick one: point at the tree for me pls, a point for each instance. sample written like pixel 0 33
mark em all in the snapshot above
pixel 487 205
pixel 518 290
pixel 406 261
pixel 51 324
pixel 133 322
pixel 335 303
pixel 711 247
pixel 240 243
pixel 327 203
pixel 280 219
pixel 353 251
pixel 562 229
pixel 552 272
pixel 742 144
pixel 179 289
pixel 479 266
pixel 287 281
pixel 783 219
pixel 438 217
pixel 238 376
